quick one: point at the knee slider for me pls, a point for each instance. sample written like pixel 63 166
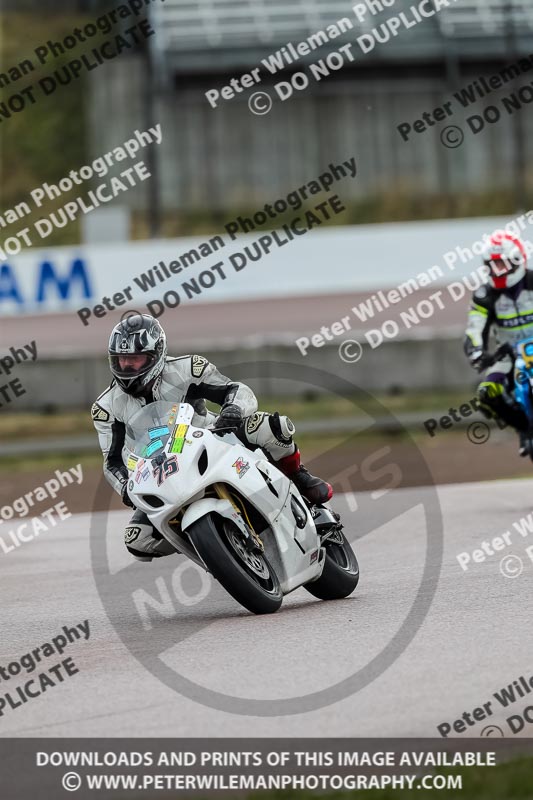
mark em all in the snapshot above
pixel 138 555
pixel 282 428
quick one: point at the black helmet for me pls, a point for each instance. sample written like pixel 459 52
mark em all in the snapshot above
pixel 137 335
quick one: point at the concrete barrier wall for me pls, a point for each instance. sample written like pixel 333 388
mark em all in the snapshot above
pixel 398 365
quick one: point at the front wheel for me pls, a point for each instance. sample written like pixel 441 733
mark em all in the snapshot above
pixel 246 575
pixel 340 575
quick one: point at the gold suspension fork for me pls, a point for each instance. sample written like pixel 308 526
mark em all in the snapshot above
pixel 224 494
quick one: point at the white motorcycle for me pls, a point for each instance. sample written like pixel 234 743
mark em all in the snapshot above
pixel 232 512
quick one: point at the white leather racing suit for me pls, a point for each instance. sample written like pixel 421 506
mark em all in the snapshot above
pixel 188 379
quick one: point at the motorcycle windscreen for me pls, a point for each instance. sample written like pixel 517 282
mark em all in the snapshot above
pixel 149 430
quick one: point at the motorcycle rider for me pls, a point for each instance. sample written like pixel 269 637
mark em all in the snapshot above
pixel 503 306
pixel 143 373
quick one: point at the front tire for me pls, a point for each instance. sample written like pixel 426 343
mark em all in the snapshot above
pixel 340 575
pixel 246 576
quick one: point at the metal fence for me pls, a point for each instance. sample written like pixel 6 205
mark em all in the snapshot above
pixel 486 18
pixel 213 28
pixel 225 23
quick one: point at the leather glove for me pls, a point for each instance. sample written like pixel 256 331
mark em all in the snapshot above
pixel 476 359
pixel 125 496
pixel 230 418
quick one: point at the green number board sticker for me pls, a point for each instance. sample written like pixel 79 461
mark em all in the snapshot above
pixel 179 438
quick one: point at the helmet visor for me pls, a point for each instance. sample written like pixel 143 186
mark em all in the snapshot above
pixel 131 365
pixel 500 267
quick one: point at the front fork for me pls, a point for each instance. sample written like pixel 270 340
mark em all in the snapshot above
pixel 254 542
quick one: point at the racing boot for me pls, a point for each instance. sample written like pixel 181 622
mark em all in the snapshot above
pixel 315 490
pixel 143 541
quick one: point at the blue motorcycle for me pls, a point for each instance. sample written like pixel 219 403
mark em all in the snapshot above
pixel 519 383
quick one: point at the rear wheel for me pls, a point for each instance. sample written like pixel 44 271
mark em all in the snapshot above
pixel 245 574
pixel 340 575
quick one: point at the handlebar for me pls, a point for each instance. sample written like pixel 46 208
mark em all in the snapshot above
pixel 221 431
pixel 503 350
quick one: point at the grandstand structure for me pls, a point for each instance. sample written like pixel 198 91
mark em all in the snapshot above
pixel 227 158
pixel 216 33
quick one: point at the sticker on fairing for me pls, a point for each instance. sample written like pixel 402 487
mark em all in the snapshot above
pixel 173 412
pixel 155 433
pixel 178 438
pixel 241 466
pixel 142 475
pixel 185 414
pixel 132 462
pixel 162 471
pixel 153 448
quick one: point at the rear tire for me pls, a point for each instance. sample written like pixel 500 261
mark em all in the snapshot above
pixel 340 575
pixel 247 577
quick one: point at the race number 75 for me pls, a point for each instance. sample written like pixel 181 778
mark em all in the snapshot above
pixel 162 471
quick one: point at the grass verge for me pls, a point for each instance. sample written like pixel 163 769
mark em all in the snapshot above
pixel 28 425
pixel 512 780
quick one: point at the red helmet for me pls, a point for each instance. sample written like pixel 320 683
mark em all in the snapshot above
pixel 506 258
